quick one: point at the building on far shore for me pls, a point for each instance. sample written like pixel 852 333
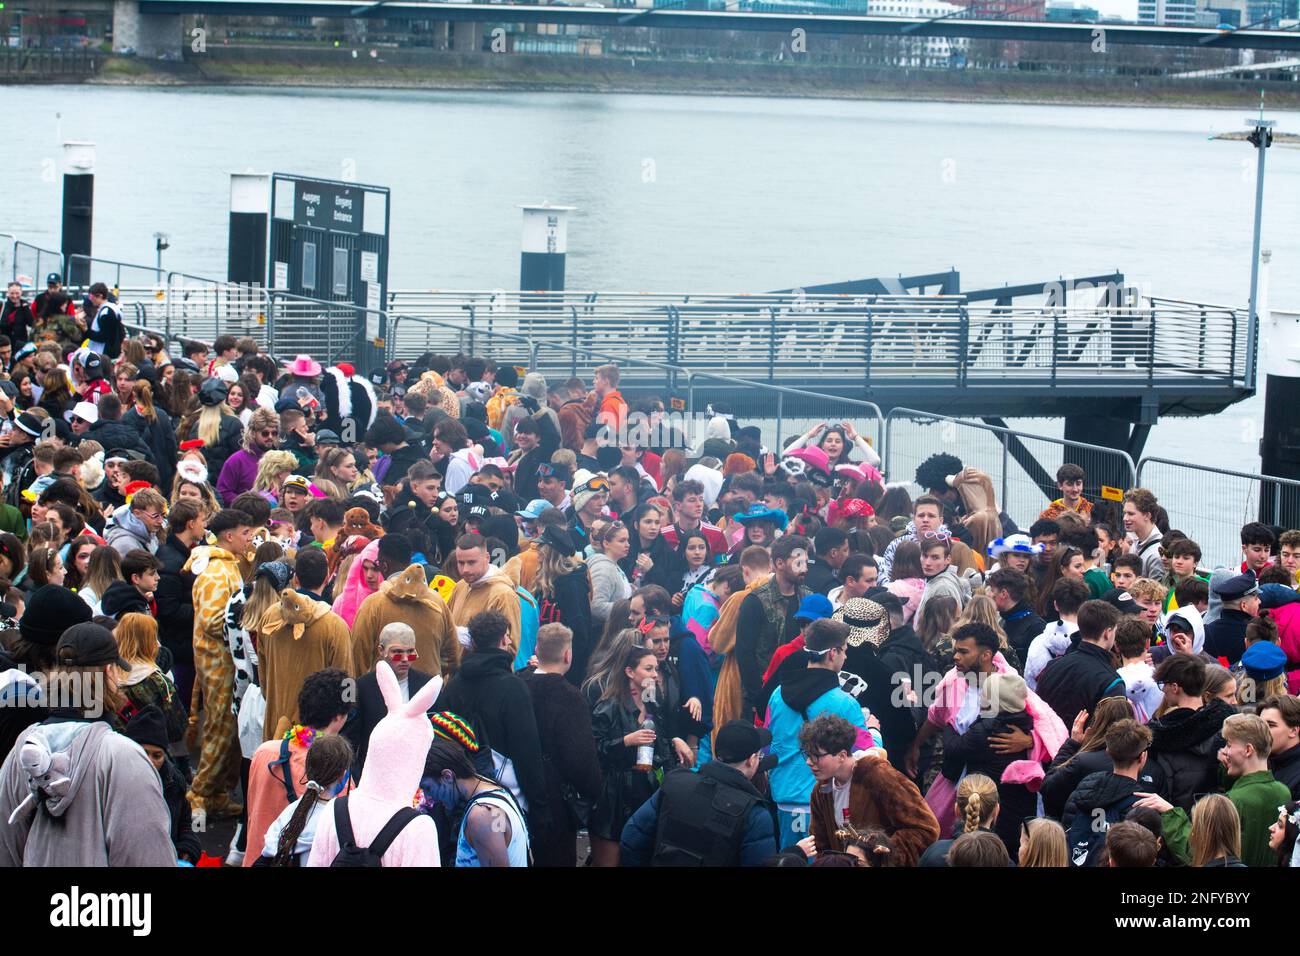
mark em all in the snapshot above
pixel 1067 11
pixel 1167 13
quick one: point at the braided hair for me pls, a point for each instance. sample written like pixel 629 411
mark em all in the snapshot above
pixel 328 761
pixel 977 798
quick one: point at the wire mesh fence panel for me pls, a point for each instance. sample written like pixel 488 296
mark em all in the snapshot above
pixel 7 270
pixel 31 264
pixel 785 413
pixel 409 338
pixel 1021 466
pixel 1210 505
pixel 114 274
pixel 331 332
pixel 202 309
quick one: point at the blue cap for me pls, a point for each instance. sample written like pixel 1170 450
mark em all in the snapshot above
pixel 1263 660
pixel 1237 587
pixel 815 607
pixel 534 509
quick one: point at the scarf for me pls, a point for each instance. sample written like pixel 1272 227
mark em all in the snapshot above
pixel 722 636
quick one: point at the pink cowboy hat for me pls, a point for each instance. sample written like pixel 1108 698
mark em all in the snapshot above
pixel 813 457
pixel 304 366
pixel 858 472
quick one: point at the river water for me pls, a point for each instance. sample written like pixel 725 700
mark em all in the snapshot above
pixel 697 192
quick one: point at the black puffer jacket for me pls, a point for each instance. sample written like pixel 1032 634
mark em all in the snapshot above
pixel 1185 745
pixel 1065 774
pixel 1101 790
pixel 1286 768
pixel 488 693
pixel 117 436
pixel 1067 770
pixel 175 599
pixel 159 436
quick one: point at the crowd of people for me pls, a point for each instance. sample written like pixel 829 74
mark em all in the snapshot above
pixel 461 615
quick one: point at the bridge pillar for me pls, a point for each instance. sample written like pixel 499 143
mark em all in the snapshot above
pixel 153 36
pixel 1279 449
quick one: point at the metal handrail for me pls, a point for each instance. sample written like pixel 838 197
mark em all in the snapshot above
pixel 40 251
pixel 916 414
pixel 93 261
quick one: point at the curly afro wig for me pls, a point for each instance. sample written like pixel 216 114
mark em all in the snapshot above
pixel 934 471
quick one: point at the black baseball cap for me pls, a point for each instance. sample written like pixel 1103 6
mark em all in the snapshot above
pixel 739 740
pixel 559 540
pixel 54 279
pixel 88 644
pixel 1122 601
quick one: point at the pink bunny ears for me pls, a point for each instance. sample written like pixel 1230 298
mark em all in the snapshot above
pixel 419 703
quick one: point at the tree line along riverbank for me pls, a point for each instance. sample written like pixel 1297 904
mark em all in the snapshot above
pixel 398 69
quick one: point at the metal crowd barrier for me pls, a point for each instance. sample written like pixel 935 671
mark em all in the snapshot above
pixel 1022 465
pixel 126 274
pixel 1211 504
pixel 34 263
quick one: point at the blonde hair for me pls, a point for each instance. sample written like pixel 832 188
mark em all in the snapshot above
pixel 206 493
pixel 982 610
pixel 137 638
pixel 144 400
pixel 262 418
pixel 271 464
pixel 209 428
pixel 1145 589
pixel 977 798
pixel 1248 729
pixel 1045 844
pixel 261 598
pixel 551 566
pixel 1216 829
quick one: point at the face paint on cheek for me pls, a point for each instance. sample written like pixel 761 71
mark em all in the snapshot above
pixel 798 561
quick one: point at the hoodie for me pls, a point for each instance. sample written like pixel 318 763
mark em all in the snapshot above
pixel 1193 617
pixel 297 637
pixel 886 561
pixel 1185 745
pixel 407 598
pixel 1100 791
pixel 609 585
pixel 123 598
pixel 103 803
pixel 128 534
pixel 496 702
pixel 803 697
pixel 492 592
pixel 948 583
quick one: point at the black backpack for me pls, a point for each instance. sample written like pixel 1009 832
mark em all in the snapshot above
pixel 352 855
pixel 1087 834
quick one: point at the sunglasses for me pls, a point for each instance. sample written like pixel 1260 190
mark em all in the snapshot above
pixel 269 432
pixel 403 655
